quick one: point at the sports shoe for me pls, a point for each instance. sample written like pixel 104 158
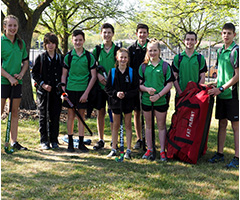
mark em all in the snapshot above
pixel 44 146
pixel 163 156
pixel 148 155
pixel 138 144
pixel 55 145
pixel 112 153
pixel 128 154
pixel 18 146
pixel 99 145
pixel 83 148
pixel 216 158
pixel 234 163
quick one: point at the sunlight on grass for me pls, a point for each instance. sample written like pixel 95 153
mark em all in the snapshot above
pixel 57 174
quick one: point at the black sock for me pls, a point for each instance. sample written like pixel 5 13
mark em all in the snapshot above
pixel 70 141
pixel 220 154
pixel 81 140
pixel 236 157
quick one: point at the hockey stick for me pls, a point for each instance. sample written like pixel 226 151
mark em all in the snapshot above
pixel 59 86
pixel 48 117
pixel 153 135
pixel 6 146
pixel 121 137
pixel 76 141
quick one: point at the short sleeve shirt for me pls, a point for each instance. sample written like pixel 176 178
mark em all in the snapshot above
pixel 189 69
pixel 107 60
pixel 78 75
pixel 226 71
pixel 154 77
pixel 12 57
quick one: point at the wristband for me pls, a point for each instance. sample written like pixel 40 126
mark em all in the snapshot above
pixel 41 83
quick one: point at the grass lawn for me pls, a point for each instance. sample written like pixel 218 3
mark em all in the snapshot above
pixel 57 174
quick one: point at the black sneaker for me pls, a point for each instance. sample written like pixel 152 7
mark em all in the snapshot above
pixel 83 148
pixel 138 144
pixel 99 145
pixel 19 146
pixel 55 145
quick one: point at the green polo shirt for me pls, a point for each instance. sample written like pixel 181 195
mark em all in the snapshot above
pixel 78 75
pixel 225 71
pixel 154 77
pixel 105 59
pixel 189 69
pixel 144 46
pixel 12 58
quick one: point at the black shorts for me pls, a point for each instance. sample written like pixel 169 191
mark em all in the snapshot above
pixel 102 99
pixel 227 109
pixel 6 91
pixel 137 102
pixel 74 97
pixel 125 111
pixel 162 108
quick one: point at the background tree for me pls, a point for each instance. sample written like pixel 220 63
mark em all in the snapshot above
pixel 63 16
pixel 28 19
pixel 169 20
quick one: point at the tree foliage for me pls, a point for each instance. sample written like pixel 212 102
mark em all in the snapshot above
pixel 63 16
pixel 28 19
pixel 169 20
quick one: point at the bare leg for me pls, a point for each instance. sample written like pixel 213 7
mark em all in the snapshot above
pixel 116 125
pixel 137 123
pixel 14 121
pixel 161 122
pixel 70 122
pixel 100 122
pixel 3 102
pixel 128 127
pixel 148 119
pixel 222 126
pixel 80 124
pixel 235 127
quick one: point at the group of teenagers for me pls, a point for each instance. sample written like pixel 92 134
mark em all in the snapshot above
pixel 137 79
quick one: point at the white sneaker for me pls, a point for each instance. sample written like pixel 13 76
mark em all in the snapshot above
pixel 111 154
pixel 127 155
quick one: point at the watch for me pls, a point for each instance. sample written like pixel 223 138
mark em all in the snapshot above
pixel 221 89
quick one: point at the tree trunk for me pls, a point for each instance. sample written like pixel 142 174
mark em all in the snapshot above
pixel 28 20
pixel 27 101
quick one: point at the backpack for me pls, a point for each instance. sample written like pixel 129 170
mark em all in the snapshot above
pixel 187 136
pixel 199 58
pixel 164 67
pixel 231 56
pixel 113 74
pixel 98 48
pixel 93 94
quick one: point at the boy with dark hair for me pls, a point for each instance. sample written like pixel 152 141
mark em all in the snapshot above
pixel 188 65
pixel 226 90
pixel 47 72
pixel 105 57
pixel 137 53
pixel 77 73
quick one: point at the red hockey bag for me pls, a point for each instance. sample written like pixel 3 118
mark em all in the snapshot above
pixel 188 133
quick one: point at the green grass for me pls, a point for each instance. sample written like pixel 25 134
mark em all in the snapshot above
pixel 58 174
